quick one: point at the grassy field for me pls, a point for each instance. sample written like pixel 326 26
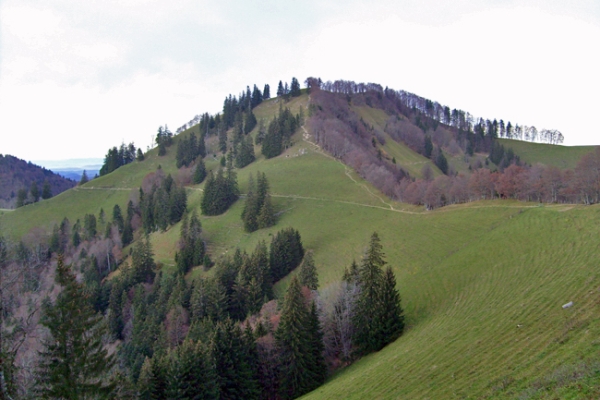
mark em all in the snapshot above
pixel 482 284
pixel 564 157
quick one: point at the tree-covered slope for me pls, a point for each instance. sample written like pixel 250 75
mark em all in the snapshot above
pixel 17 174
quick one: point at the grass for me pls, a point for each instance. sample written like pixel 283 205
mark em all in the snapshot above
pixel 409 160
pixel 482 284
pixel 564 157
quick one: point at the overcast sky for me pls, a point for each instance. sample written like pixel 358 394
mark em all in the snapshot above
pixel 78 77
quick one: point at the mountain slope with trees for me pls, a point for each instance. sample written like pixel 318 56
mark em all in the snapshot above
pixel 23 182
pixel 481 283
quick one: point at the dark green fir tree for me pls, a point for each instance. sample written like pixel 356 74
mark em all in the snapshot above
pixel 73 363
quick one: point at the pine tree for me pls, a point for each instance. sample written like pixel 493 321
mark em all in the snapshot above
pixel 428 146
pixel 200 171
pixel 84 178
pixel 35 192
pixel 280 89
pixel 295 88
pixel 392 315
pixel 140 155
pixel 251 207
pixel 21 197
pixel 74 363
pixel 266 215
pixel 367 337
pixel 293 340
pixel 236 378
pixel 308 272
pixel 191 373
pixel 318 366
pixel 142 268
pixel 46 190
pixel 162 149
pixel 441 162
pixel 266 92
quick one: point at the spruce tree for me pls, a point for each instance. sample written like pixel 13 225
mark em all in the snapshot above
pixel 266 92
pixel 84 178
pixel 392 315
pixel 236 378
pixel 35 192
pixel 191 373
pixel 140 155
pixel 200 171
pixel 74 363
pixel 308 272
pixel 367 335
pixel 46 190
pixel 251 206
pixel 266 215
pixel 318 367
pixel 294 343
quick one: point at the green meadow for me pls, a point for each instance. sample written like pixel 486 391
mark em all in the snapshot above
pixel 564 157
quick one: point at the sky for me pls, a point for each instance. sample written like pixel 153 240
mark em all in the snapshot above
pixel 78 77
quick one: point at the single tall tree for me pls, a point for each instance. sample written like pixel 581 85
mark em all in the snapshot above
pixel 74 363
pixel 294 341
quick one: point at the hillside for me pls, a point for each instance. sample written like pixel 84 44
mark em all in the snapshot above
pixel 16 174
pixel 564 157
pixel 482 283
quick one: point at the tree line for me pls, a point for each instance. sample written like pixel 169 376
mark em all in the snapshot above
pixel 117 157
pixel 456 118
pixel 538 183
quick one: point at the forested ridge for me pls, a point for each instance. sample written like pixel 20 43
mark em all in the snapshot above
pixel 22 182
pixel 482 167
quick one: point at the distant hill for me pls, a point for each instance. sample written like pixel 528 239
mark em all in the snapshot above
pixel 17 174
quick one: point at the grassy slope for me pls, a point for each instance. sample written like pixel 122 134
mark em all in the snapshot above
pixel 493 323
pixel 406 158
pixel 564 157
pixel 481 283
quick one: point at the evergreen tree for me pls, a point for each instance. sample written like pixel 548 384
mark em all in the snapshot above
pixel 266 215
pixel 200 171
pixel 236 378
pixel 74 363
pixel 35 192
pixel 46 190
pixel 378 319
pixel 318 367
pixel 368 309
pixel 191 373
pixel 142 268
pixel 21 197
pixel 308 272
pixel 428 146
pixel 441 162
pixel 392 315
pixel 266 92
pixel 294 343
pixel 280 89
pixel 286 253
pixel 250 211
pixel 152 382
pixel 162 149
pixel 295 88
pixel 84 178
pixel 117 218
pixel 140 155
pixel 245 153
